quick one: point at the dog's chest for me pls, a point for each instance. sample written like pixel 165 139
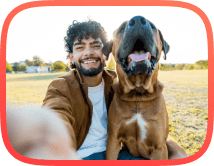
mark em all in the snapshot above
pixel 139 124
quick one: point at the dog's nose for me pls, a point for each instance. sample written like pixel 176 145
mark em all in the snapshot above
pixel 137 20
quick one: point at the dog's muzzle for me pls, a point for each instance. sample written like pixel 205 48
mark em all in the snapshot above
pixel 138 51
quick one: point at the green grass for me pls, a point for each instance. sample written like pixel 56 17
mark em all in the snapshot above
pixel 185 93
pixel 28 88
pixel 186 96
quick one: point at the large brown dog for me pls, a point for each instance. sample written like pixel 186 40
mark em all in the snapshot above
pixel 137 115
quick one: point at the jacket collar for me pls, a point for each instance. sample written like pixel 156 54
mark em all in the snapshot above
pixel 74 77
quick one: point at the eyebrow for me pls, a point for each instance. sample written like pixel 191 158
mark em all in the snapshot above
pixel 82 43
pixel 96 42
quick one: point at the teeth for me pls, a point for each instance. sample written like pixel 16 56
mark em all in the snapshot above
pixel 129 59
pixel 141 52
pixel 149 56
pixel 87 62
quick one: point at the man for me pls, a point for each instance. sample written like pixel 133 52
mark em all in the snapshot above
pixel 82 97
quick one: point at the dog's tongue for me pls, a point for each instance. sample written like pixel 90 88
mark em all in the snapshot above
pixel 139 57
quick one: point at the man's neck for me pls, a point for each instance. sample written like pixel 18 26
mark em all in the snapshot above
pixel 92 81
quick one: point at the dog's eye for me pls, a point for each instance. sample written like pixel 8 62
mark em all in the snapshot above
pixel 121 31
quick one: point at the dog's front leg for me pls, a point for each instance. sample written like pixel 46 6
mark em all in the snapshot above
pixel 113 147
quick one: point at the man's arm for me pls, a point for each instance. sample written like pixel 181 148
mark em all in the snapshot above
pixel 57 98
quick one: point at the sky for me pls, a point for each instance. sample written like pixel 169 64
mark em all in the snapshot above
pixel 40 31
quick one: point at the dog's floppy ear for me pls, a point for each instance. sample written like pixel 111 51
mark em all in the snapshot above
pixel 165 46
pixel 107 48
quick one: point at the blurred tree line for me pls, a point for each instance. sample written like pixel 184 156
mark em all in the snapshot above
pixel 110 65
pixel 199 65
pixel 60 66
pixel 37 61
pixel 8 67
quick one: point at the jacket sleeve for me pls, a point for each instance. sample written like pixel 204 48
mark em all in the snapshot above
pixel 57 99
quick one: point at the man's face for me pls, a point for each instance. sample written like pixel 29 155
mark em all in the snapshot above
pixel 87 56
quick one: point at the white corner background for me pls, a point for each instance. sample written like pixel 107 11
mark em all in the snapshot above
pixel 40 31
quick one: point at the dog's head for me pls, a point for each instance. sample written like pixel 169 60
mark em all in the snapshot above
pixel 136 46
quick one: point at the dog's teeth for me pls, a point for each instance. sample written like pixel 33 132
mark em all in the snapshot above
pixel 141 52
pixel 149 56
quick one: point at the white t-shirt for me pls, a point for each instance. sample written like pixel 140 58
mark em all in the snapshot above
pixel 96 138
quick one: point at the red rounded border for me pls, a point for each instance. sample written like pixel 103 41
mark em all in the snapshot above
pixel 106 3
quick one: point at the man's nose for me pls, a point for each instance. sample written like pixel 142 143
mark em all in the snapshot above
pixel 89 51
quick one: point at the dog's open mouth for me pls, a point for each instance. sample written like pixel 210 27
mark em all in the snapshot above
pixel 139 61
pixel 138 56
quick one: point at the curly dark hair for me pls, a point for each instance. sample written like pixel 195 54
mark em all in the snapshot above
pixel 84 30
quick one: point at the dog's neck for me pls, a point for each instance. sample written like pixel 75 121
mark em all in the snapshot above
pixel 138 87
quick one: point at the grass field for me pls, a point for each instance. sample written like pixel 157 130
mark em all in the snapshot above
pixel 185 93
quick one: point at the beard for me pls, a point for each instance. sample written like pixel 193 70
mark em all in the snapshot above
pixel 89 72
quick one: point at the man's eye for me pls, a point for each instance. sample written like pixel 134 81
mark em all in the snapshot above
pixel 97 46
pixel 80 48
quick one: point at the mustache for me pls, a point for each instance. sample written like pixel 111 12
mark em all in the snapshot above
pixel 95 58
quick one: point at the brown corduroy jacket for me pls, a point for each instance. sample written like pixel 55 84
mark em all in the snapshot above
pixel 68 96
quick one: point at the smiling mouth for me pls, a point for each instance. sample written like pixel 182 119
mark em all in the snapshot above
pixel 89 60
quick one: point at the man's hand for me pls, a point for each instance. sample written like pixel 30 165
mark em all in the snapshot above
pixel 39 133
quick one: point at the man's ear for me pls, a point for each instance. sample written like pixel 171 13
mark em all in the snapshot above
pixel 70 56
pixel 165 46
pixel 107 48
